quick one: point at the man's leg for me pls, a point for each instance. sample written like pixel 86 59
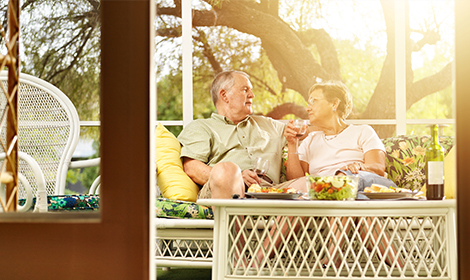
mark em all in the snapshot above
pixel 226 180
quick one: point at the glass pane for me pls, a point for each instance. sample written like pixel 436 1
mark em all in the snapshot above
pixel 286 47
pixel 69 53
pixel 80 180
pixel 169 66
pixel 60 62
pixel 432 35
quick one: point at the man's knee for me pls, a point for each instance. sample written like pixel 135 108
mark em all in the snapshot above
pixel 225 180
pixel 223 171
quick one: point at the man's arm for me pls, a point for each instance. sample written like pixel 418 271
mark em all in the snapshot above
pixel 196 170
pixel 199 172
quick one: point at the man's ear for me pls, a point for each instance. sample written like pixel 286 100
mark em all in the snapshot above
pixel 223 95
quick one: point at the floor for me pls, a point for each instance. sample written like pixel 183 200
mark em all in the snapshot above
pixel 184 273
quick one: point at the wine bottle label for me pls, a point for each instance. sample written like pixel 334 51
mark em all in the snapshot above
pixel 435 172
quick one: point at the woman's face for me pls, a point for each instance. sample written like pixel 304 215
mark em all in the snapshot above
pixel 319 109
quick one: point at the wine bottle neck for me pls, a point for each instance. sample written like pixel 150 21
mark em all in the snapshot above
pixel 435 134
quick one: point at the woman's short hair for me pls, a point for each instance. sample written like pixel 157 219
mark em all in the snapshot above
pixel 336 90
pixel 224 80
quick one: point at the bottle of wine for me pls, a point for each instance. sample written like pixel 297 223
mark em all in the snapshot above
pixel 434 167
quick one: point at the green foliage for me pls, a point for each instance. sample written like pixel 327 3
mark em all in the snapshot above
pixel 360 71
pixel 86 176
pixel 72 176
pixel 62 46
pixel 169 98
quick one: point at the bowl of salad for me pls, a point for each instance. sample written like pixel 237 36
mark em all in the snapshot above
pixel 332 187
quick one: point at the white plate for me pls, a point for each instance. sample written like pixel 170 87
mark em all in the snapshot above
pixel 388 195
pixel 274 195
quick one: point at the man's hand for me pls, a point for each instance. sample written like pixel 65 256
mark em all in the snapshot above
pixel 250 177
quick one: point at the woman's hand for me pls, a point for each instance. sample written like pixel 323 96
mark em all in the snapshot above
pixel 291 132
pixel 354 167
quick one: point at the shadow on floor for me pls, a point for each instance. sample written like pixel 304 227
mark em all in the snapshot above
pixel 184 273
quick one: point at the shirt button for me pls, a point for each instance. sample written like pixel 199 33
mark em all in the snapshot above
pixel 243 136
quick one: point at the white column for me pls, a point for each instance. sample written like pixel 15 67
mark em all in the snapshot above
pixel 400 66
pixel 187 48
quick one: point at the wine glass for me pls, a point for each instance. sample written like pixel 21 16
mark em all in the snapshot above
pixel 301 128
pixel 260 166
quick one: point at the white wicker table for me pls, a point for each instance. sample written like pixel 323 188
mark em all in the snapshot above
pixel 418 236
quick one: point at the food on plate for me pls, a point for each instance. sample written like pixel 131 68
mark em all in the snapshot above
pixel 255 188
pixel 376 188
pixel 333 187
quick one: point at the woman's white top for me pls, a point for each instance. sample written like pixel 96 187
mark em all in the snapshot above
pixel 326 154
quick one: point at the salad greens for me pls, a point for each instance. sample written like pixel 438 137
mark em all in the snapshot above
pixel 333 187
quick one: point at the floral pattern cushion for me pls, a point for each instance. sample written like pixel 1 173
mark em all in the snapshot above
pixel 168 208
pixel 405 160
pixel 79 202
pixel 283 177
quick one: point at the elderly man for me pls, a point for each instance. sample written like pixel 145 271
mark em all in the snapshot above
pixel 217 153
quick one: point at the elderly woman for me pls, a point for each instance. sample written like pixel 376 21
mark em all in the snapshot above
pixel 333 146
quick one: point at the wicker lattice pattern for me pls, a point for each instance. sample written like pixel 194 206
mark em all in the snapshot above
pixel 44 131
pixel 338 247
pixel 184 249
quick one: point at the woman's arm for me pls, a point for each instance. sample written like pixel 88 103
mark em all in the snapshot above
pixel 374 161
pixel 294 168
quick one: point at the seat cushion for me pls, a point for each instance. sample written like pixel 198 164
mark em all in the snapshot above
pixel 168 208
pixel 171 179
pixel 76 202
pixel 405 159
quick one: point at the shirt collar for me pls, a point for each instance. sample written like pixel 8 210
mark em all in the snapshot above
pixel 226 120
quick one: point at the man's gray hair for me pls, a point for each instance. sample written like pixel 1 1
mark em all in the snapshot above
pixel 224 80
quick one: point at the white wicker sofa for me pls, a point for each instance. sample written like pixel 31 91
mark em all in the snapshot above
pixel 185 228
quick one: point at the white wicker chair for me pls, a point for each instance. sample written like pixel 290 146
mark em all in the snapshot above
pixel 48 131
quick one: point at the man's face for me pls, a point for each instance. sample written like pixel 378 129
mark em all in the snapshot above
pixel 240 98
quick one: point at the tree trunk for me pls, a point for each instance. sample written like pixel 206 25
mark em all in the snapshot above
pixel 297 68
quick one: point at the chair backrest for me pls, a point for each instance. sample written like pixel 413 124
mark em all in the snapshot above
pixel 48 130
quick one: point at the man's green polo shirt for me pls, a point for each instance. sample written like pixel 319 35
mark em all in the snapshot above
pixel 218 139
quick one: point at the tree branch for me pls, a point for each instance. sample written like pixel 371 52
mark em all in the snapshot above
pixel 263 84
pixel 288 108
pixel 429 85
pixel 170 32
pixel 326 49
pixel 430 37
pixel 207 51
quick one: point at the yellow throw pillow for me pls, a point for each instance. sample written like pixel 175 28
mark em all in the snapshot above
pixel 450 174
pixel 171 179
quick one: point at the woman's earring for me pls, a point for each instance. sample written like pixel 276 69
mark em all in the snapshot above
pixel 334 109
